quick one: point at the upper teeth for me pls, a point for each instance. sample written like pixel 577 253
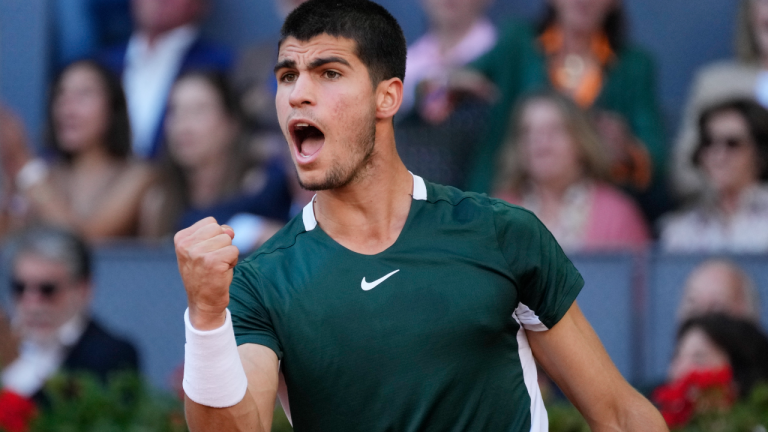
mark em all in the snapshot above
pixel 302 125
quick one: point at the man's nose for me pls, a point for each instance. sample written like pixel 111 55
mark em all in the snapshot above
pixel 302 91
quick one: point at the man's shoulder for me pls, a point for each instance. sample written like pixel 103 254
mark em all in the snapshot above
pixel 282 243
pixel 453 196
pixel 100 351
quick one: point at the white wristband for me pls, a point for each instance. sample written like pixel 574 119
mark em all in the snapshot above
pixel 213 373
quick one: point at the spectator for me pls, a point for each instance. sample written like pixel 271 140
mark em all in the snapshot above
pixel 210 171
pixel 579 50
pixel 165 43
pixel 746 76
pixel 91 185
pixel 458 33
pixel 555 166
pixel 720 286
pixel 51 286
pixel 710 342
pixel 732 155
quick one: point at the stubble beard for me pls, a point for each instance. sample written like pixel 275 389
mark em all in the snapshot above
pixel 360 153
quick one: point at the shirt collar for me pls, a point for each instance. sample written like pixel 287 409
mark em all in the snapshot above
pixel 308 214
pixel 72 330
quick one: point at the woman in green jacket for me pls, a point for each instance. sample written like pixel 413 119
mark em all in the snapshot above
pixel 579 50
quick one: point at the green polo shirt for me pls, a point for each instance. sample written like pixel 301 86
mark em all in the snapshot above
pixel 424 336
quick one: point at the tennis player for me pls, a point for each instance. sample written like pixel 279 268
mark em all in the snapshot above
pixel 391 303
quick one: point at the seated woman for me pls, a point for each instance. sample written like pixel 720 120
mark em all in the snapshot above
pixel 745 76
pixel 732 158
pixel 210 171
pixel 91 184
pixel 718 359
pixel 578 49
pixel 555 166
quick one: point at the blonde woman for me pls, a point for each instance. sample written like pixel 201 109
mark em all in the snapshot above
pixel 555 166
pixel 746 76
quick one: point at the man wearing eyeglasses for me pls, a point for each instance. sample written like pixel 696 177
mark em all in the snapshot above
pixel 51 292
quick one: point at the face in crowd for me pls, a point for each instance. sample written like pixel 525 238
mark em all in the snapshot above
pixel 327 107
pixel 198 127
pixel 717 286
pixel 729 153
pixel 583 16
pixel 759 20
pixel 454 13
pixel 46 296
pixel 158 16
pixel 696 351
pixel 548 147
pixel 81 109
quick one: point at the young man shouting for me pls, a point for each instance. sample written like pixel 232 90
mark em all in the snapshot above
pixel 391 303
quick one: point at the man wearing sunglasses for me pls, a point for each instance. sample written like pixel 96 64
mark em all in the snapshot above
pixel 51 292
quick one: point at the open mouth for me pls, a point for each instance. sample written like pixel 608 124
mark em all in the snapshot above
pixel 308 138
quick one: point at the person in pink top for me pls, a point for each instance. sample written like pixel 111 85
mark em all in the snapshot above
pixel 459 32
pixel 555 166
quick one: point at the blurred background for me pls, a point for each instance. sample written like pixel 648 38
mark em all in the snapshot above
pixel 636 130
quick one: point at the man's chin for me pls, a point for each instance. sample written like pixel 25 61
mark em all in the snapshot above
pixel 332 179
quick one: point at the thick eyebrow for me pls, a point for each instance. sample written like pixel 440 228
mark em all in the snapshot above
pixel 291 64
pixel 287 63
pixel 325 60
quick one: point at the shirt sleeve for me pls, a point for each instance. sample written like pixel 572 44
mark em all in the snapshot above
pixel 547 281
pixel 251 318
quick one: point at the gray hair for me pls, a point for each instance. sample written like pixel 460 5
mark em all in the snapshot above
pixel 55 244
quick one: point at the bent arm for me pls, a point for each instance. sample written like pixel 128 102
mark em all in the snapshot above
pixel 572 354
pixel 254 412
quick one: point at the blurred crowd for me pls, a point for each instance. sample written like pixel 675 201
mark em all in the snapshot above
pixel 150 127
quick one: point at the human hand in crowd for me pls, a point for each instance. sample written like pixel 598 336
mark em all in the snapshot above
pixel 615 135
pixel 439 98
pixel 9 342
pixel 206 259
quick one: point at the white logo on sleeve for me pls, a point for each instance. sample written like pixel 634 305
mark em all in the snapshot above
pixel 367 286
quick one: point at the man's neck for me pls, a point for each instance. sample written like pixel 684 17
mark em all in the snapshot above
pixel 577 42
pixel 368 215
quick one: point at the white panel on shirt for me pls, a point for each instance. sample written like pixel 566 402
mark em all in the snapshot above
pixel 147 79
pixel 526 318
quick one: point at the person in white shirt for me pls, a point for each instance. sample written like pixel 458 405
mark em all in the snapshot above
pixel 51 291
pixel 731 216
pixel 459 32
pixel 165 42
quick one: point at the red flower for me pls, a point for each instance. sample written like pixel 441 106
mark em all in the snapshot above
pixel 16 412
pixel 699 391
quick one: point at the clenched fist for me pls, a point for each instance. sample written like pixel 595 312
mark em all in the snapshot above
pixel 206 258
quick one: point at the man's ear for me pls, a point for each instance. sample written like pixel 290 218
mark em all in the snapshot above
pixel 389 97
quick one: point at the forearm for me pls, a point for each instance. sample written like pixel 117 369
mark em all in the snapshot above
pixel 241 417
pixel 571 353
pixel 631 413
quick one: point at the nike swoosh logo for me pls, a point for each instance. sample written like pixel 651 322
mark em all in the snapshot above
pixel 367 286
